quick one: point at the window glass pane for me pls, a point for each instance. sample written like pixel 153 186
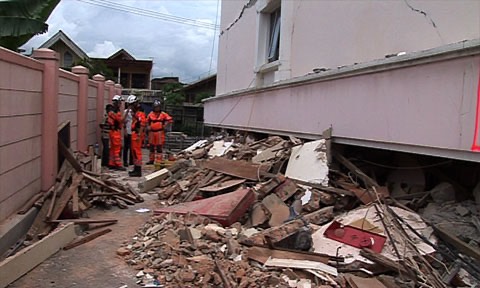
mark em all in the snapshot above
pixel 274 43
pixel 67 59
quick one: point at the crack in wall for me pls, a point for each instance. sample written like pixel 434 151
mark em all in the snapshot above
pixel 421 12
pixel 425 14
pixel 249 4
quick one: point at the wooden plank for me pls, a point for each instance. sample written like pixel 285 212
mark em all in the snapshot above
pixel 386 262
pixel 101 183
pixel 261 255
pixel 75 209
pixel 240 169
pixel 278 233
pixel 301 264
pixel 456 242
pixel 25 260
pixel 359 282
pixel 124 199
pixel 134 193
pixel 87 238
pixel 219 187
pixel 86 221
pixel 58 191
pixel 153 180
pixel 67 153
pixel 369 182
pixel 66 196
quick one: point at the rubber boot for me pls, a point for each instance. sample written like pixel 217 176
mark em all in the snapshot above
pixel 137 172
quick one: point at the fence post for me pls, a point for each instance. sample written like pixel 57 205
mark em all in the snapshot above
pixel 100 105
pixel 82 116
pixel 49 116
pixel 111 89
pixel 118 89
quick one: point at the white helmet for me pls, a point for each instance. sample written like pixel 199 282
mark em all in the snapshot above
pixel 117 98
pixel 132 99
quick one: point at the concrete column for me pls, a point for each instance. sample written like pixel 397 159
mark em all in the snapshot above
pixel 111 88
pixel 82 107
pixel 100 105
pixel 49 157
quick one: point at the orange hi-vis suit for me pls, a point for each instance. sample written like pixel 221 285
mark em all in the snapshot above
pixel 156 137
pixel 137 122
pixel 115 135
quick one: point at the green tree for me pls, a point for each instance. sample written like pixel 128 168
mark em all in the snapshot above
pixel 202 95
pixel 96 67
pixel 20 20
pixel 173 95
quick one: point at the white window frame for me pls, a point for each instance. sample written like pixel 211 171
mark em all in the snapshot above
pixel 264 10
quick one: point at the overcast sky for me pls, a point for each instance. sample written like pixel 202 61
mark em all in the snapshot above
pixel 176 49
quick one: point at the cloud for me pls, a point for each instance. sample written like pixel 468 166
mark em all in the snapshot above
pixel 103 50
pixel 176 49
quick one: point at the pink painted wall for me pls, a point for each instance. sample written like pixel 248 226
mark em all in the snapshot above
pixel 316 34
pixel 68 103
pixel 429 105
pixel 23 88
pixel 20 130
pixel 92 113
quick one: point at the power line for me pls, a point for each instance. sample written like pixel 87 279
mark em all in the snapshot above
pixel 189 20
pixel 214 37
pixel 151 14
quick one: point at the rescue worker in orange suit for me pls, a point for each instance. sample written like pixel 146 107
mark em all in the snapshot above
pixel 157 123
pixel 115 134
pixel 138 128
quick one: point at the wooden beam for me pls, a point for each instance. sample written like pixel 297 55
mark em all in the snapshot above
pixel 369 182
pixel 301 264
pixel 86 221
pixel 134 193
pixel 386 262
pixel 240 169
pixel 66 196
pixel 87 238
pixel 69 156
pixel 278 233
pixel 25 260
pixel 101 183
pixel 261 255
pixel 456 242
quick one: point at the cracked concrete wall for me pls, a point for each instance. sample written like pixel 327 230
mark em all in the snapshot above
pixel 349 32
pixel 336 33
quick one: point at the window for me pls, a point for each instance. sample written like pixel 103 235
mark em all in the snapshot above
pixel 67 59
pixel 274 39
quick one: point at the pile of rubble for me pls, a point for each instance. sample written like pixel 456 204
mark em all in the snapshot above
pixel 79 186
pixel 282 213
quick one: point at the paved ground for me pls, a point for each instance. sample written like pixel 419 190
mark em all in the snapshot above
pixel 94 264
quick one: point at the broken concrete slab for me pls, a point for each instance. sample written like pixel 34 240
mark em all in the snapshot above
pixel 152 180
pixel 219 148
pixel 279 211
pixel 17 265
pixel 309 163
